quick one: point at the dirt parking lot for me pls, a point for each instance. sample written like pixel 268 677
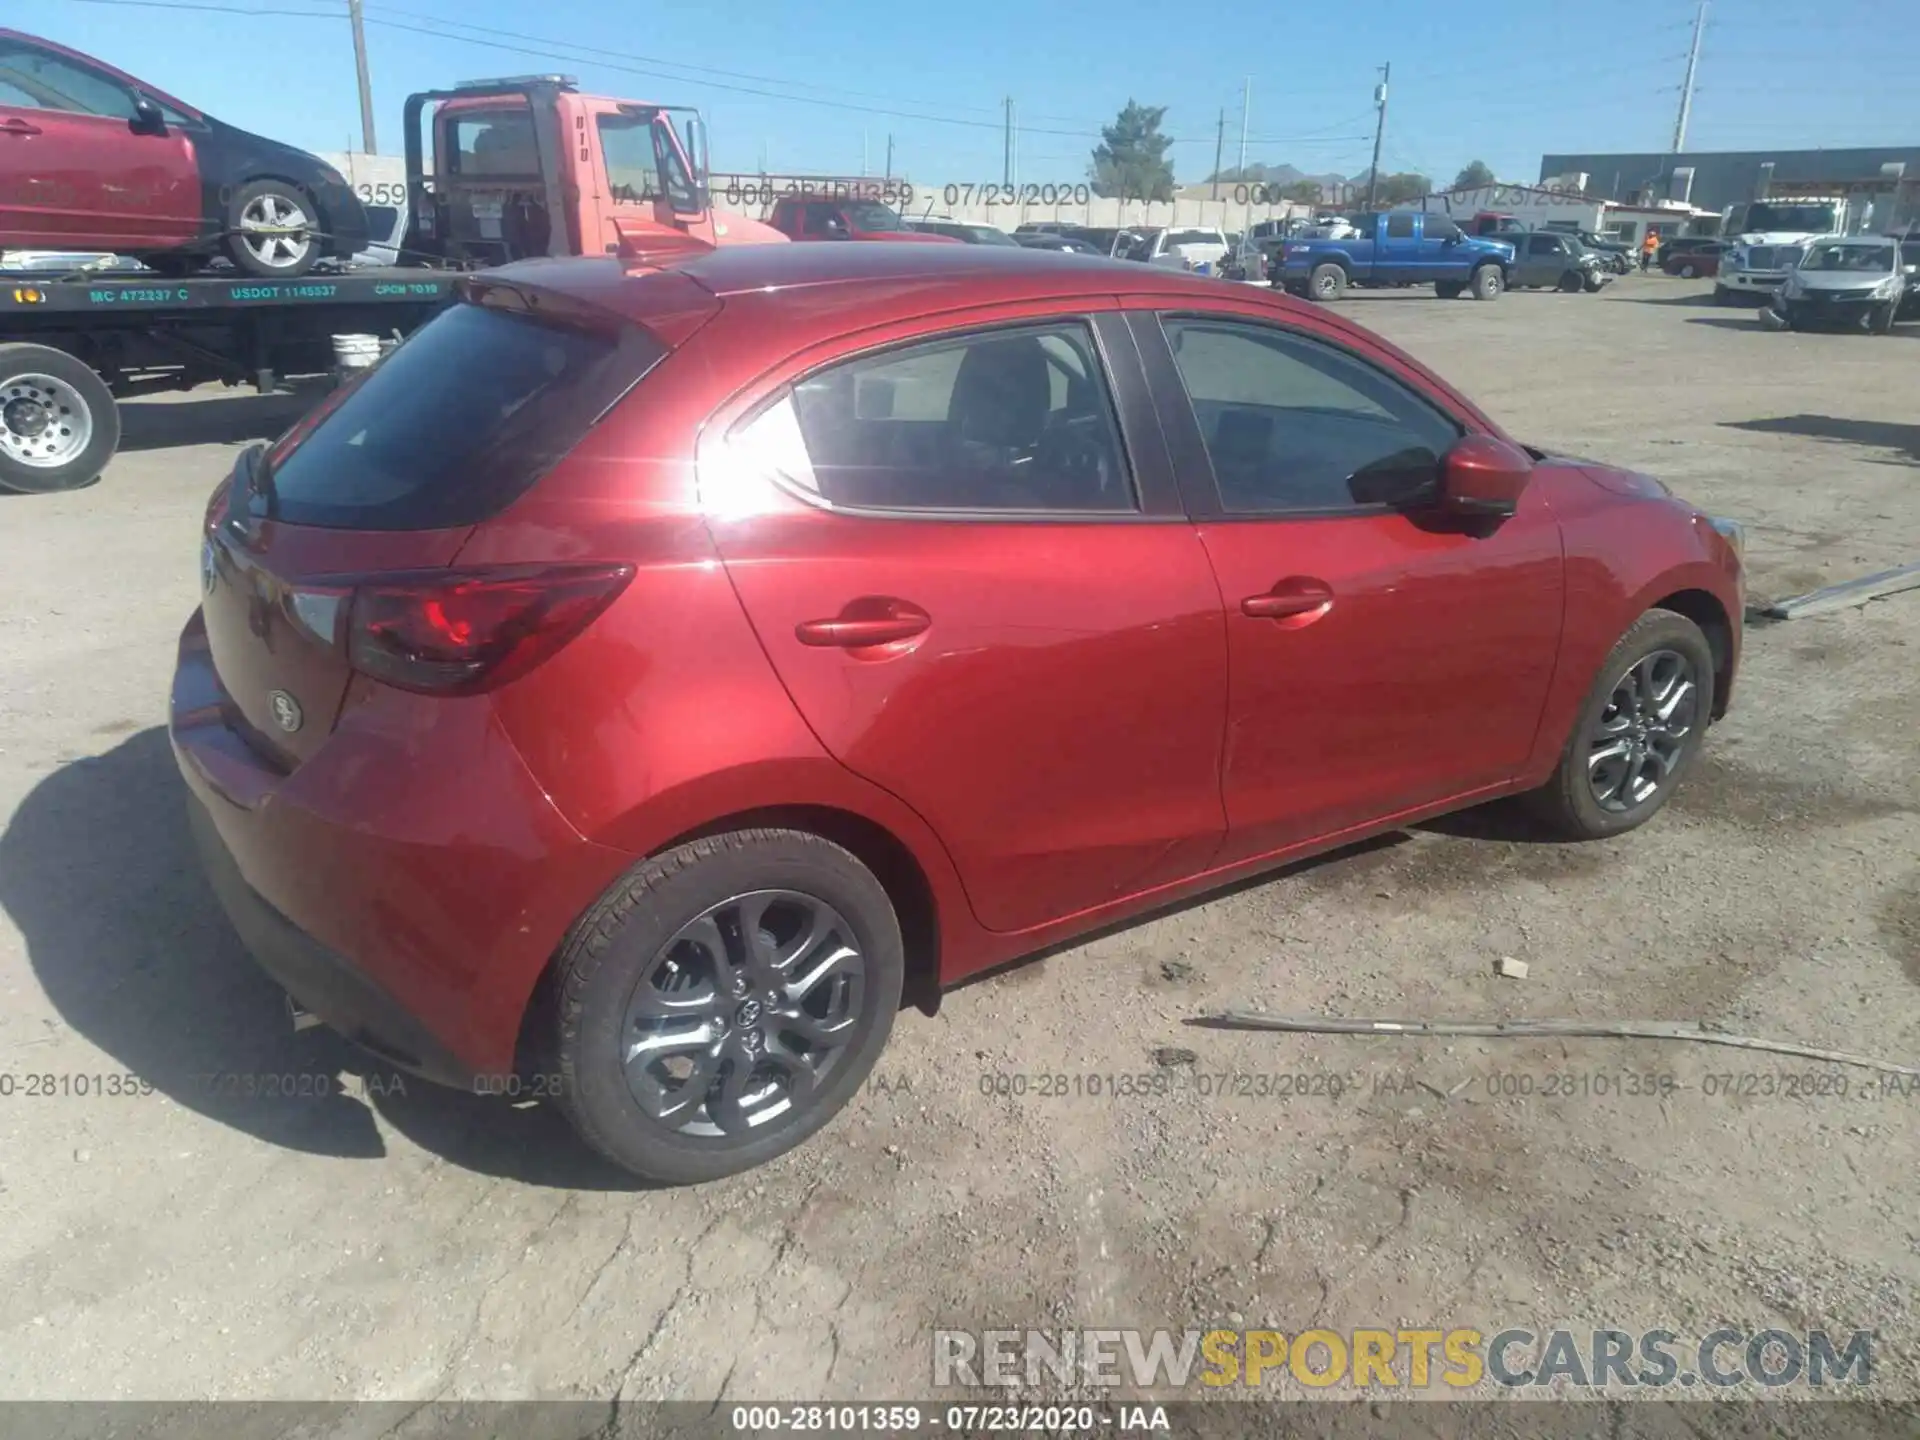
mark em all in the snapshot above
pixel 201 1241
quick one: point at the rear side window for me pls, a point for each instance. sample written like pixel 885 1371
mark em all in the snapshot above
pixel 457 423
pixel 496 143
pixel 1003 420
pixel 1400 227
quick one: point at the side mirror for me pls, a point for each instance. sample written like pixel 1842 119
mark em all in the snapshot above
pixel 148 117
pixel 1482 477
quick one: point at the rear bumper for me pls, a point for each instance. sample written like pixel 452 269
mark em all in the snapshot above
pixel 407 883
pixel 321 981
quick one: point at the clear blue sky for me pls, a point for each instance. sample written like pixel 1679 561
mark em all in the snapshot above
pixel 1516 79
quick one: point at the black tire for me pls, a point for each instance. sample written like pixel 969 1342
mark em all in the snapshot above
pixel 1326 283
pixel 1686 270
pixel 34 414
pixel 1449 289
pixel 1572 283
pixel 1567 803
pixel 615 947
pixel 1723 296
pixel 302 250
pixel 174 264
pixel 1488 281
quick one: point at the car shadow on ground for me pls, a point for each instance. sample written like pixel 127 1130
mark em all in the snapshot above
pixel 212 419
pixel 1702 299
pixel 1903 439
pixel 97 871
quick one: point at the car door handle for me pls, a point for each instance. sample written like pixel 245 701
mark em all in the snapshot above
pixel 1300 600
pixel 18 127
pixel 881 622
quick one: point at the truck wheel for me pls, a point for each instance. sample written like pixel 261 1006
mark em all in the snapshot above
pixel 1571 282
pixel 1488 282
pixel 1328 282
pixel 1880 322
pixel 58 423
pixel 272 231
pixel 1687 271
pixel 1723 296
pixel 1448 289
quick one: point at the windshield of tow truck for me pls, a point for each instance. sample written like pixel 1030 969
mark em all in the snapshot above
pixel 1852 256
pixel 1775 217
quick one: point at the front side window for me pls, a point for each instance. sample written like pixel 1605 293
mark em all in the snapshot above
pixel 34 79
pixel 1293 424
pixel 1002 420
pixel 868 216
pixel 1439 228
pixel 626 147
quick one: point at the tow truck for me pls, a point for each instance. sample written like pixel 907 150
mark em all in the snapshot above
pixel 515 167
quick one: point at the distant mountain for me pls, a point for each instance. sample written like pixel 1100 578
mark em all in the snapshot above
pixel 1275 175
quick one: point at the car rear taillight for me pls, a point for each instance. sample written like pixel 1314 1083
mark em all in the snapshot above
pixel 464 632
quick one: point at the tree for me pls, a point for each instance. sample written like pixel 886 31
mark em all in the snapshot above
pixel 1476 175
pixel 1131 160
pixel 1398 189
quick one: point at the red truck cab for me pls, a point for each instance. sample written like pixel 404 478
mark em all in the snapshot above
pixel 814 217
pixel 528 166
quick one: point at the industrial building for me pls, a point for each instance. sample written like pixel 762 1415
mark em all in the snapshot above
pixel 1882 182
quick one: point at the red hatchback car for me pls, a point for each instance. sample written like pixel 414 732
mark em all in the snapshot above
pixel 648 676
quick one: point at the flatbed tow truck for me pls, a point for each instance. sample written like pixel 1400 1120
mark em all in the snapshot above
pixel 504 184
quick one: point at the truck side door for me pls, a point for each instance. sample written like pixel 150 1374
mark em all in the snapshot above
pixel 1438 238
pixel 1397 259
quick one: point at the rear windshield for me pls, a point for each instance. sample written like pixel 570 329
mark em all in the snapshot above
pixel 457 423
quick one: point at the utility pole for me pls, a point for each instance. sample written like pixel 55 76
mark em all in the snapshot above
pixel 367 140
pixel 889 155
pixel 1246 115
pixel 1006 159
pixel 1686 88
pixel 1219 143
pixel 1379 131
pixel 863 152
pixel 1013 133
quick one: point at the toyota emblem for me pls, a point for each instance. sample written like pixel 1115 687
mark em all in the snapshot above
pixel 286 711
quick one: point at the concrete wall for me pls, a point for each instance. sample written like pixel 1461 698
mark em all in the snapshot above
pixel 380 179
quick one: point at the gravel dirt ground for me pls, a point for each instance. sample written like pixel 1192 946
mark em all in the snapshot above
pixel 394 1241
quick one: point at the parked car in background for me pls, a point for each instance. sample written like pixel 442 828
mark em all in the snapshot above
pixel 1693 258
pixel 1548 260
pixel 800 217
pixel 1617 254
pixel 1054 241
pixel 446 711
pixel 108 162
pixel 965 233
pixel 1843 280
pixel 1107 240
pixel 1182 248
pixel 1399 247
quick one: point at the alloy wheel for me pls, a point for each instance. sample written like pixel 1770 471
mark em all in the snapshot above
pixel 276 231
pixel 743 1013
pixel 1643 730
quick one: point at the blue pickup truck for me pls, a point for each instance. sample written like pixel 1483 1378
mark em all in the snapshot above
pixel 1397 247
